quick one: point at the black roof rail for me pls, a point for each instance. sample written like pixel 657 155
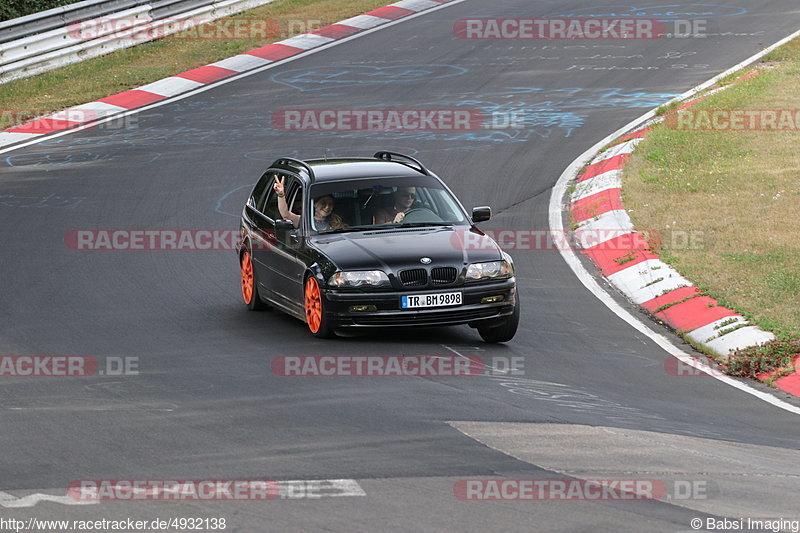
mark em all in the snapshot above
pixel 387 156
pixel 297 162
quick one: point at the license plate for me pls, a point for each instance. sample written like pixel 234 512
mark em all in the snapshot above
pixel 442 299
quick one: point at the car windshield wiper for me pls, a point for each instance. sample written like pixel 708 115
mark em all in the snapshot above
pixel 422 224
pixel 345 229
pixel 364 227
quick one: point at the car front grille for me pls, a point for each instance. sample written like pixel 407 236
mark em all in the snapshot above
pixel 415 277
pixel 441 275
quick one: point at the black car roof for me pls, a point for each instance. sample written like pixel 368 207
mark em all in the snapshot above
pixel 384 164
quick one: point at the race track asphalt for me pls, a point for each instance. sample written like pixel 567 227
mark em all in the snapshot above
pixel 205 404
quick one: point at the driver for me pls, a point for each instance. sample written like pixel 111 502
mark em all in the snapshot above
pixel 403 200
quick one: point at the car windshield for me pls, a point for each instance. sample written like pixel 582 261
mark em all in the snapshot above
pixel 361 204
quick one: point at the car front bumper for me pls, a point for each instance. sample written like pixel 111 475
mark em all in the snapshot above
pixel 388 312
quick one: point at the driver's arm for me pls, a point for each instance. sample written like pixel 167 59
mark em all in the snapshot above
pixel 381 216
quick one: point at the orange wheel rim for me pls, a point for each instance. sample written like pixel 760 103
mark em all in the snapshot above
pixel 247 278
pixel 313 305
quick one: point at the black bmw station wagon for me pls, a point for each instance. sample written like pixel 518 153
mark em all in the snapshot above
pixel 369 243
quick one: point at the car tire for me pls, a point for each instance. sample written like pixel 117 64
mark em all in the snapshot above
pixel 250 284
pixel 505 331
pixel 315 309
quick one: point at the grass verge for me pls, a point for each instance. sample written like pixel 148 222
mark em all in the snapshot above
pixel 145 63
pixel 774 356
pixel 740 189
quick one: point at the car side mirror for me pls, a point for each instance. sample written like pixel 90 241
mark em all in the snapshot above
pixel 481 214
pixel 282 227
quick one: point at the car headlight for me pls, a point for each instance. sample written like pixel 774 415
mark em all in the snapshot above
pixel 490 270
pixel 361 278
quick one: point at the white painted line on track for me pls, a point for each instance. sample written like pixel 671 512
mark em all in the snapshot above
pixel 325 488
pixel 588 280
pixel 11 502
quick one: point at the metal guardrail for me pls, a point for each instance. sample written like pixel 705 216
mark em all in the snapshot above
pixel 171 8
pixel 11 30
pixel 43 41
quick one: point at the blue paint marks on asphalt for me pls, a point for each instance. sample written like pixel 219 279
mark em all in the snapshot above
pixel 220 208
pixel 664 12
pixel 319 78
pixel 547 113
pixel 311 153
pixel 578 97
pixel 50 159
pixel 47 161
pixel 51 200
pixel 514 114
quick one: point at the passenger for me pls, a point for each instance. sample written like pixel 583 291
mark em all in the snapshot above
pixel 324 217
pixel 403 201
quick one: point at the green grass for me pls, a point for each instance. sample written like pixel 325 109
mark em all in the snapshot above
pixel 741 189
pixel 666 108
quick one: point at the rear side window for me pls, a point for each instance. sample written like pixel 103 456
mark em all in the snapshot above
pixel 260 190
pixel 269 205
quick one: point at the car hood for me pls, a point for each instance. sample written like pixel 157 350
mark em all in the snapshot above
pixel 395 249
